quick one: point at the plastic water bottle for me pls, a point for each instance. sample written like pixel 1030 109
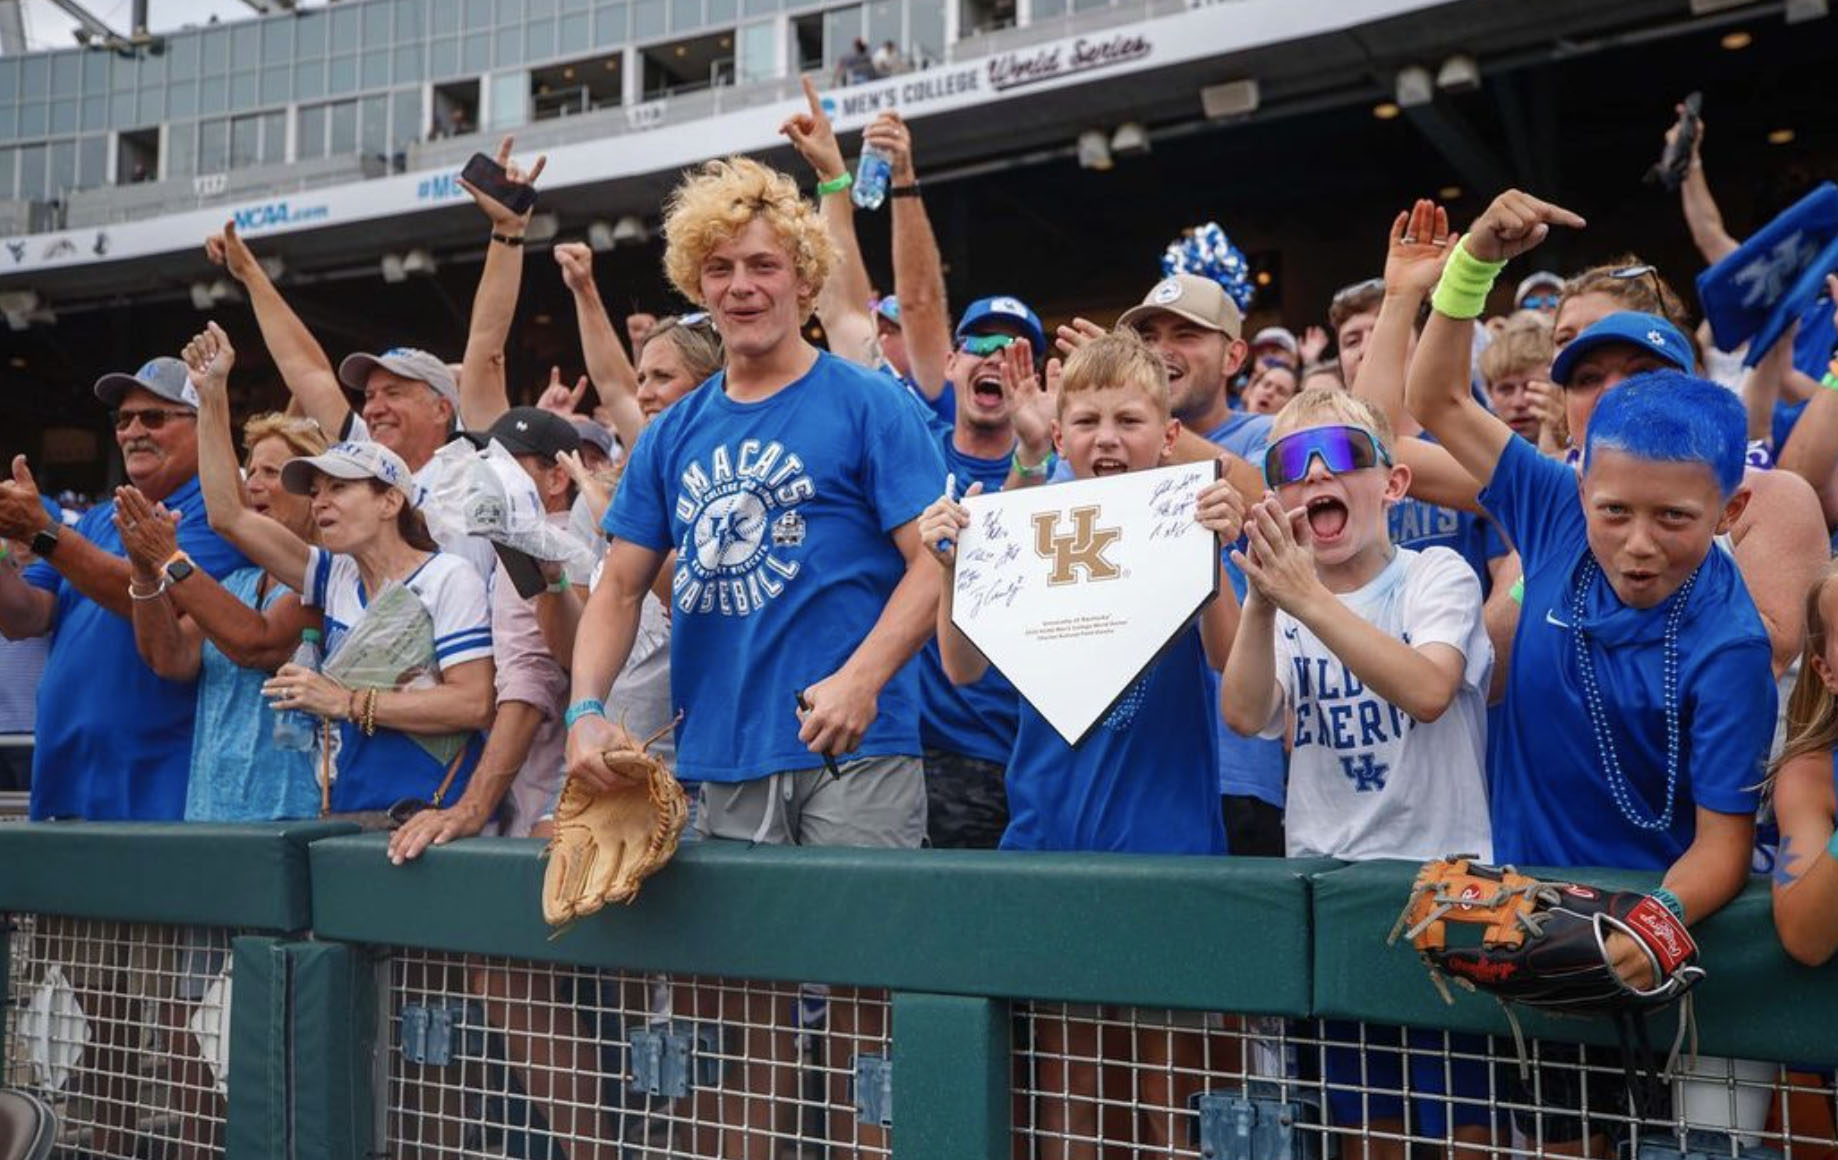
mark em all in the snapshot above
pixel 293 728
pixel 872 174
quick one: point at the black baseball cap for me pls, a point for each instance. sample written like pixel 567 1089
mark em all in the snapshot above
pixel 531 431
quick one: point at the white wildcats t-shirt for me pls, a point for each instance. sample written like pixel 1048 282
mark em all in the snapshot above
pixel 1365 780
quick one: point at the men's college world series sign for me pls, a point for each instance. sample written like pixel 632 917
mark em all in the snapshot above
pixel 1073 590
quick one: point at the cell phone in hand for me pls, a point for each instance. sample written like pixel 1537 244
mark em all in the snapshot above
pixel 489 178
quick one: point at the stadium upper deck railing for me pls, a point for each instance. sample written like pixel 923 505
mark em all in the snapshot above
pixel 803 1002
pixel 110 205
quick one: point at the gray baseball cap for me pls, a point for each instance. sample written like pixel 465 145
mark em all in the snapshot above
pixel 407 362
pixel 164 376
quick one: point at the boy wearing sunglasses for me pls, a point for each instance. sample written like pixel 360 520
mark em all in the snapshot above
pixel 1380 657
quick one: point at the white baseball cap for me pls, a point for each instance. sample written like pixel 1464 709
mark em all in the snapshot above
pixel 350 460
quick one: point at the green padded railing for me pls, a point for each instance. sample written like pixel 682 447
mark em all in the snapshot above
pixel 951 935
pixel 202 874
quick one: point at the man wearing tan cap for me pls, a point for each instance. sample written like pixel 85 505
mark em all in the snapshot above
pixel 1196 328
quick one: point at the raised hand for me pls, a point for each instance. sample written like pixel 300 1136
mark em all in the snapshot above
pixel 1418 250
pixel 1547 403
pixel 1312 345
pixel 1280 564
pixel 22 516
pixel 228 250
pixel 503 217
pixel 638 327
pixel 209 357
pixel 889 133
pixel 1514 223
pixel 591 489
pixel 577 262
pixel 559 397
pixel 812 135
pixel 1080 331
pixel 1032 406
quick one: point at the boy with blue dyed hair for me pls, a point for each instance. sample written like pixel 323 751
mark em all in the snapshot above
pixel 1640 699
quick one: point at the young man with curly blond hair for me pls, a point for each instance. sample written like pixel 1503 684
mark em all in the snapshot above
pixel 788 486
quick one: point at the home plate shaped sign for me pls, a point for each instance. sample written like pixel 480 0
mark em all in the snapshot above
pixel 1073 590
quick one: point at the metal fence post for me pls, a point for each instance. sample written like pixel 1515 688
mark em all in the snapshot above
pixel 951 1062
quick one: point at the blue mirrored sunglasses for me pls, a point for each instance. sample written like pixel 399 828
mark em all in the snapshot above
pixel 1341 449
pixel 983 345
pixel 1539 302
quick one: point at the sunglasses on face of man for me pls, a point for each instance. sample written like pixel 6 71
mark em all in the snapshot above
pixel 151 418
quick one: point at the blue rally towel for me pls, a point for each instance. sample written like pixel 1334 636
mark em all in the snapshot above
pixel 1769 274
pixel 1808 302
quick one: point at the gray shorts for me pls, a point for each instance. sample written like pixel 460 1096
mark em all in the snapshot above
pixel 878 801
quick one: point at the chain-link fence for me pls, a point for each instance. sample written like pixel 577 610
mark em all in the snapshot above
pixel 123 1029
pixel 505 1058
pixel 1116 1082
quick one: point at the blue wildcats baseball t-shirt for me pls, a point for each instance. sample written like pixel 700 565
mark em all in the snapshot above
pixel 782 514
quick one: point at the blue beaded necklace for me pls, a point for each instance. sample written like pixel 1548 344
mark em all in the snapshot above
pixel 1598 715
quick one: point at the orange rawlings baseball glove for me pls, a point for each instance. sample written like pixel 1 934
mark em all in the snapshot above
pixel 609 841
pixel 1544 944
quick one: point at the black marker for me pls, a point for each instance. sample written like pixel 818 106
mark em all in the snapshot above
pixel 829 762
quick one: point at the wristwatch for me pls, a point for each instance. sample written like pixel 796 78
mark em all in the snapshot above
pixel 178 568
pixel 44 541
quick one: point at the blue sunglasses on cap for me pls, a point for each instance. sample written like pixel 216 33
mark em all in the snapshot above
pixel 1341 449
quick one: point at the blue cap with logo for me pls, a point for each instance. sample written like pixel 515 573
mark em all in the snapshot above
pixel 985 311
pixel 1649 332
pixel 164 376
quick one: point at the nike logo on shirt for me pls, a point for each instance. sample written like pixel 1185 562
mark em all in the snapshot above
pixel 1551 618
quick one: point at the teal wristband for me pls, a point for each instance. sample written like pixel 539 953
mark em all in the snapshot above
pixel 1831 847
pixel 1466 280
pixel 1671 902
pixel 591 707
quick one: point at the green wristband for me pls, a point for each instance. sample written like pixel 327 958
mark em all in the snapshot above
pixel 1517 591
pixel 1830 381
pixel 835 184
pixel 1462 292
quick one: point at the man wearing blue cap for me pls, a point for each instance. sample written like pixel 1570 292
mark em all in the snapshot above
pixel 113 740
pixel 969 730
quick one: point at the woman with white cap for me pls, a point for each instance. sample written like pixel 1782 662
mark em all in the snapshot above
pixel 371 537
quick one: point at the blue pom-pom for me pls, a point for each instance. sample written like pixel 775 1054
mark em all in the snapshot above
pixel 1206 251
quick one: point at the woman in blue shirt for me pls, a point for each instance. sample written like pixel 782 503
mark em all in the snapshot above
pixel 227 636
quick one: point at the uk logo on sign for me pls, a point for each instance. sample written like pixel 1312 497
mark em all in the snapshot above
pixel 1072 591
